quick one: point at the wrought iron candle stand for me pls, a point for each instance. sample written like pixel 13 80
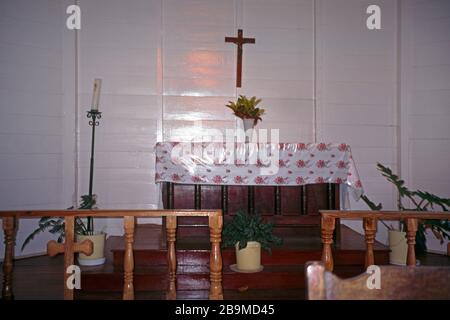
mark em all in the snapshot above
pixel 94 115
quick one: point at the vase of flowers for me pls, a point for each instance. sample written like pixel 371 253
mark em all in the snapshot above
pixel 247 110
pixel 248 124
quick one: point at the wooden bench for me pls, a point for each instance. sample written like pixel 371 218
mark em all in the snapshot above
pixel 396 283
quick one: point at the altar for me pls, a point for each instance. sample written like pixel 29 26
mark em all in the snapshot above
pixel 286 182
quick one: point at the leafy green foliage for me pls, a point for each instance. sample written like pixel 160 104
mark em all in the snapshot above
pixel 372 205
pixel 246 108
pixel 246 227
pixel 57 225
pixel 87 201
pixel 422 201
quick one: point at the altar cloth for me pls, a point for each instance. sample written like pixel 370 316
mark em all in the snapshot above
pixel 258 164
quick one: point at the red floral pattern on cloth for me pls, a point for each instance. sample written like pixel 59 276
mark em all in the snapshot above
pixel 176 177
pixel 218 179
pixel 343 147
pixel 260 180
pixel 320 180
pixel 339 180
pixel 341 164
pixel 322 146
pixel 281 180
pixel 283 164
pixel 238 180
pixel 300 180
pixel 197 179
pixel 321 164
pixel 301 163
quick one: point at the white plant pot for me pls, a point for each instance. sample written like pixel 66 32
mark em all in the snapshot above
pixel 249 258
pixel 98 255
pixel 398 246
pixel 248 124
pixel 249 128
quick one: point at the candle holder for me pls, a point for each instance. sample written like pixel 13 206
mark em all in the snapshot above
pixel 94 115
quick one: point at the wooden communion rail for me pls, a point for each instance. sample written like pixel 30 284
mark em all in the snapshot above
pixel 70 247
pixel 370 221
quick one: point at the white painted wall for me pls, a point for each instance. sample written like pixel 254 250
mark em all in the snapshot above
pixel 199 67
pixel 425 103
pixel 279 68
pixel 31 111
pixel 120 42
pixel 356 91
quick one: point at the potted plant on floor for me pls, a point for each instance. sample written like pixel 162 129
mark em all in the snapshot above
pixel 83 231
pixel 87 232
pixel 421 201
pixel 248 234
pixel 247 110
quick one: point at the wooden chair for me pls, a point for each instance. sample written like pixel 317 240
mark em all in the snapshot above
pixel 397 283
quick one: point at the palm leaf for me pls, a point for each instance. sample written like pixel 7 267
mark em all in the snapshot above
pixel 57 225
pixel 44 224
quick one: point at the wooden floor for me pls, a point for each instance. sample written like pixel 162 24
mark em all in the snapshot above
pixel 41 277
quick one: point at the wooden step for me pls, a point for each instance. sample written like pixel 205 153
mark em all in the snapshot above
pixel 283 269
pixel 197 278
pixel 285 294
pixel 198 227
pixel 297 249
pixel 145 258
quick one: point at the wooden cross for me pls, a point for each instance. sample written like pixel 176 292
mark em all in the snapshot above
pixel 239 41
pixel 69 248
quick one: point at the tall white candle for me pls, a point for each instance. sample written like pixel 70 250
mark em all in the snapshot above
pixel 96 94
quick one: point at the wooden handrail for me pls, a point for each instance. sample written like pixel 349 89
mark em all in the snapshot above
pixel 70 247
pixel 370 221
pixel 385 215
pixel 109 213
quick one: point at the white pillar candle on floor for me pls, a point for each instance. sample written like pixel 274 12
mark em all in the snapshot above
pixel 96 94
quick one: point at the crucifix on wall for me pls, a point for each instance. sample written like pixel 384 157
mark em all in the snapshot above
pixel 239 41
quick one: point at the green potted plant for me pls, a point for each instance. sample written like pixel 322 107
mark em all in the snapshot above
pixel 248 233
pixel 83 230
pixel 247 110
pixel 421 201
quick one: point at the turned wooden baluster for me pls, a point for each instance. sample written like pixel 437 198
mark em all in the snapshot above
pixel 215 260
pixel 69 248
pixel 411 225
pixel 128 263
pixel 171 227
pixel 327 225
pixel 370 228
pixel 9 228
